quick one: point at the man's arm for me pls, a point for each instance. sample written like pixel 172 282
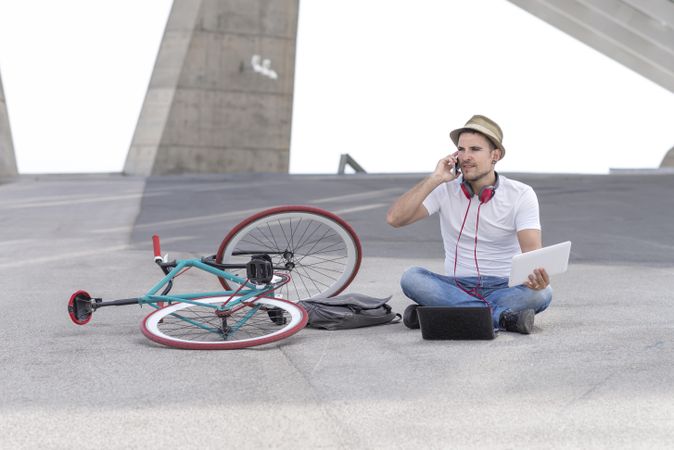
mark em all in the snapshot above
pixel 409 208
pixel 531 240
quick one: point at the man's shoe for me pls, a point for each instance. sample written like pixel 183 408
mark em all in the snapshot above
pixel 520 322
pixel 411 318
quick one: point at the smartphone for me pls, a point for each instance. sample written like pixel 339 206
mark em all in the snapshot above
pixel 457 169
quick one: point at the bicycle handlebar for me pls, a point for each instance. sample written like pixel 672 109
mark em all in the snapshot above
pixel 157 247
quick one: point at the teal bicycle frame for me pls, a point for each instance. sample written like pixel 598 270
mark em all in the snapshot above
pixel 245 292
pixel 152 298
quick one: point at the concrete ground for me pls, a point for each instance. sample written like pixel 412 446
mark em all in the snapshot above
pixel 597 372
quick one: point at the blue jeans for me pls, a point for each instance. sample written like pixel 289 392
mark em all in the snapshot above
pixel 431 289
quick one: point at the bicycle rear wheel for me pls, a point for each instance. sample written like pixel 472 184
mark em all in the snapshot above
pixel 200 327
pixel 319 250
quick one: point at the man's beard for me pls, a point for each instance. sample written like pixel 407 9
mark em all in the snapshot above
pixel 478 176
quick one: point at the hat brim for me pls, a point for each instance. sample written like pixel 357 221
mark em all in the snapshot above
pixel 454 136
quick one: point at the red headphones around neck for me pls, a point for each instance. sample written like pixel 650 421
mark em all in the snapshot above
pixel 485 194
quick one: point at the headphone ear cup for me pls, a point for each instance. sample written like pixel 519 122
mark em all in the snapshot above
pixel 486 194
pixel 467 190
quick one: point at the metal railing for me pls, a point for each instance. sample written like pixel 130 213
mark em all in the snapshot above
pixel 346 159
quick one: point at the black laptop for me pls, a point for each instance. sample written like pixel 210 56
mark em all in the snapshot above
pixel 443 322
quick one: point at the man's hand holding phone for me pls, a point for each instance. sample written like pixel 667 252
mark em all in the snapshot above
pixel 448 167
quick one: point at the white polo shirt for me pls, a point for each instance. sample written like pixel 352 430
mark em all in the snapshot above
pixel 513 208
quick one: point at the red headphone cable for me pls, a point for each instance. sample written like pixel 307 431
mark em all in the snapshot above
pixel 472 292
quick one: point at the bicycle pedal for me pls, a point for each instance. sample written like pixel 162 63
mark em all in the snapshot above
pixel 276 316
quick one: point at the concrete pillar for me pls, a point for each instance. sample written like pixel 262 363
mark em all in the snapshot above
pixel 7 158
pixel 668 160
pixel 220 97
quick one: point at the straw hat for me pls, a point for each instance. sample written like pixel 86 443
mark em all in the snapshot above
pixel 485 126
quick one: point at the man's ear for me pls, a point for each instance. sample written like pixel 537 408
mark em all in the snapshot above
pixel 496 156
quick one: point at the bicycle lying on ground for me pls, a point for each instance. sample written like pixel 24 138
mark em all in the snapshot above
pixel 265 264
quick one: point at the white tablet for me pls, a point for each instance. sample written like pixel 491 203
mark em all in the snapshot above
pixel 554 259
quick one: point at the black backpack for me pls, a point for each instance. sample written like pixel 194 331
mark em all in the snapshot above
pixel 348 311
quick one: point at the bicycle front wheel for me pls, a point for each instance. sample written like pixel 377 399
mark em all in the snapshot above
pixel 201 327
pixel 319 250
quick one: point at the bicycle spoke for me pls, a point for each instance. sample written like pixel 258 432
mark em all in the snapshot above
pixel 323 260
pixel 314 245
pixel 298 274
pixel 296 290
pixel 312 279
pixel 272 235
pixel 321 251
pixel 292 233
pixel 284 234
pixel 256 243
pixel 304 233
pixel 312 233
pixel 310 267
pixel 304 244
pixel 272 243
pixel 319 272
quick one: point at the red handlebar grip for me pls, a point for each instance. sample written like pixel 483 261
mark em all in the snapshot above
pixel 155 244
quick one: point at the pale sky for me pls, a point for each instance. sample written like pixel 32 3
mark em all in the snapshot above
pixel 382 80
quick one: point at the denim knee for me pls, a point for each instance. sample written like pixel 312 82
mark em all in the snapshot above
pixel 411 278
pixel 542 299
